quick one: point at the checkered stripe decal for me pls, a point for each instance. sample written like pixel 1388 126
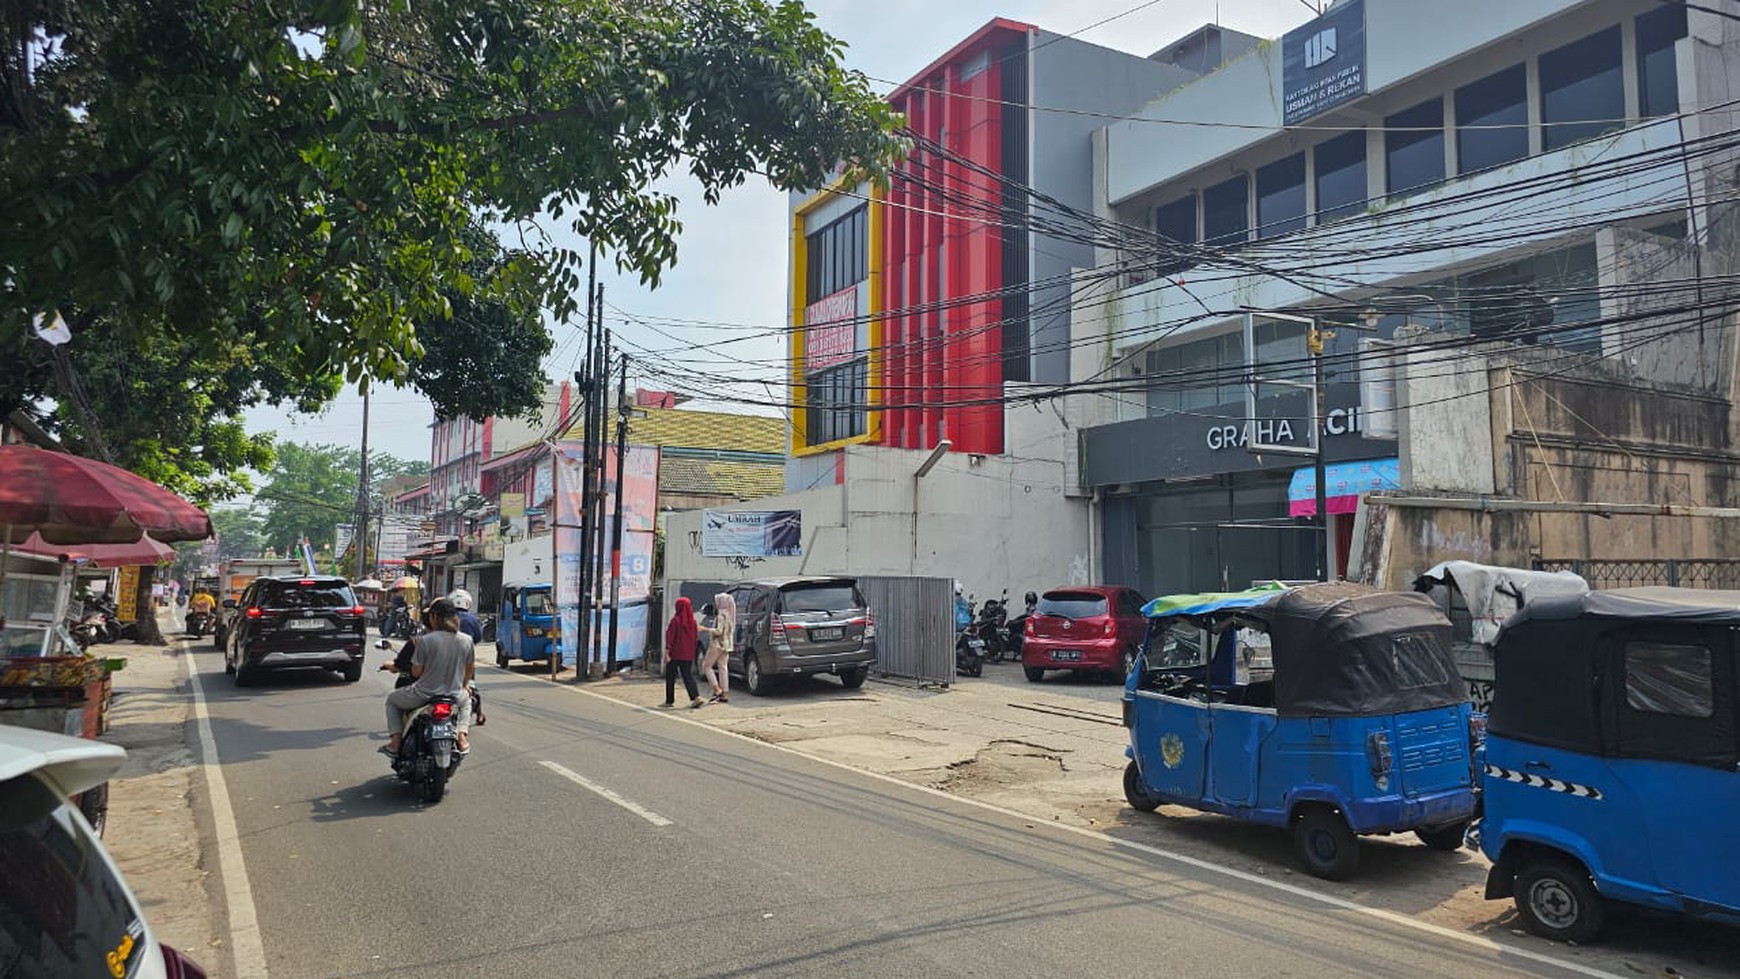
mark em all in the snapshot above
pixel 1543 782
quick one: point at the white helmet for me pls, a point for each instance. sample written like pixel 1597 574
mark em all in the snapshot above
pixel 461 599
pixel 958 588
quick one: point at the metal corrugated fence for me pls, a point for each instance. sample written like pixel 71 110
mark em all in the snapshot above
pixel 915 626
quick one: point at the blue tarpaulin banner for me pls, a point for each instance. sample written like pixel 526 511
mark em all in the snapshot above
pixel 1343 483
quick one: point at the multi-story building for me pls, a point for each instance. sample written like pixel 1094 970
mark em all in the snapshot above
pixel 1514 227
pixel 1517 223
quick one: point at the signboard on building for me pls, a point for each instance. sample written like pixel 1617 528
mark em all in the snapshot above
pixel 570 458
pixel 831 330
pixel 751 533
pixel 1323 63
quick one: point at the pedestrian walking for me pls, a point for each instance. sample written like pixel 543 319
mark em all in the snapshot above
pixel 681 640
pixel 717 665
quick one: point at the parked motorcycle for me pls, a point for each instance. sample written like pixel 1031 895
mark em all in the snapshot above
pixel 969 652
pixel 992 618
pixel 1015 632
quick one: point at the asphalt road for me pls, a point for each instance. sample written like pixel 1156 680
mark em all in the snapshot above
pixel 716 857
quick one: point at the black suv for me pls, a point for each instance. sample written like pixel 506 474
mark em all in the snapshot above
pixel 290 622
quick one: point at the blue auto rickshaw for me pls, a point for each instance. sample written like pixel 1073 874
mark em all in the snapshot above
pixel 527 625
pixel 1364 728
pixel 1612 763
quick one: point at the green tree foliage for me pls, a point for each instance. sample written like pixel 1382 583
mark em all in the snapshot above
pixel 238 532
pixel 309 173
pixel 312 488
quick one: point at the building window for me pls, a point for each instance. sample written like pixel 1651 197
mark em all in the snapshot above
pixel 1658 76
pixel 1175 225
pixel 1194 376
pixel 1340 176
pixel 1492 121
pixel 835 257
pixel 1281 196
pixel 1538 299
pixel 1582 90
pixel 1414 147
pixel 1226 216
pixel 837 403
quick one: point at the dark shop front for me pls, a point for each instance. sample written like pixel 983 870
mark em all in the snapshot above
pixel 1188 506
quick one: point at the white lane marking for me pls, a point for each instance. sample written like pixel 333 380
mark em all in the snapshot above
pixel 246 948
pixel 1341 904
pixel 591 786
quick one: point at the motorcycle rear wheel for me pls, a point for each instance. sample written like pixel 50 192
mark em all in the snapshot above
pixel 434 783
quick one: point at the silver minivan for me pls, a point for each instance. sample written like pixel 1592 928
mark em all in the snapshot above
pixel 788 626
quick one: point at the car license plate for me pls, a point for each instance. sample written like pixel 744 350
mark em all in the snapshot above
pixel 534 632
pixel 1068 655
pixel 306 624
pixel 832 632
pixel 442 730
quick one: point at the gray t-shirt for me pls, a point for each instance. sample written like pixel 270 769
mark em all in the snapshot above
pixel 444 657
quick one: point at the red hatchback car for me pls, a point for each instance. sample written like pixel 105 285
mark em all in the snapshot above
pixel 1094 627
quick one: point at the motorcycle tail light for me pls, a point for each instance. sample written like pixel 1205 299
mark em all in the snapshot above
pixel 1377 752
pixel 441 712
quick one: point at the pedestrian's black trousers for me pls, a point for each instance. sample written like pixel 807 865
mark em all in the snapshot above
pixel 687 668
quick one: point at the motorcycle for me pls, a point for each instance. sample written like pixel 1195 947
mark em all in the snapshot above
pixel 992 618
pixel 1015 632
pixel 198 623
pixel 429 752
pixel 969 652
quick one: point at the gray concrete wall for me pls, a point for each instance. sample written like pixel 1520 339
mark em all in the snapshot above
pixel 1440 405
pixel 1071 74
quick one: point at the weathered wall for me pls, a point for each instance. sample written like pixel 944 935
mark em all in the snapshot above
pixel 1444 406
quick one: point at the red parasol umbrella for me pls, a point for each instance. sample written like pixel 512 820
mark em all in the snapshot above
pixel 143 551
pixel 69 499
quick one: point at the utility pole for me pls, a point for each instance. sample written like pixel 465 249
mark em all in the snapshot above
pixel 603 440
pixel 359 535
pixel 1314 342
pixel 584 381
pixel 616 517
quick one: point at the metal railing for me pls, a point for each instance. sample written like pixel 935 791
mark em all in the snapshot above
pixel 1716 573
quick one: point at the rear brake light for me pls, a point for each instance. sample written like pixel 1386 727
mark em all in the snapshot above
pixel 1377 752
pixel 306 581
pixel 869 627
pixel 254 612
pixel 358 610
pixel 1027 627
pixel 441 712
pixel 1111 627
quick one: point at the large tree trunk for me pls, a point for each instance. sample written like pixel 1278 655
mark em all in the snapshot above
pixel 147 633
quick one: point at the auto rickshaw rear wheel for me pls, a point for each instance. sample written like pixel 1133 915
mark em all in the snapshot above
pixel 1135 793
pixel 1556 900
pixel 1326 847
pixel 501 657
pixel 1445 839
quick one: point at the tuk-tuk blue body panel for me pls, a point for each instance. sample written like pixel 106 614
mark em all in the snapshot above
pixel 527 621
pixel 1612 755
pixel 1249 763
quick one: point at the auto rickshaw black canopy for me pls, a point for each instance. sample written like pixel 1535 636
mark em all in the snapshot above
pixel 1629 673
pixel 1344 649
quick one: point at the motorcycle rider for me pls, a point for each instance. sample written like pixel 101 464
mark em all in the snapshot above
pixel 963 609
pixel 443 664
pixel 469 623
pixel 202 603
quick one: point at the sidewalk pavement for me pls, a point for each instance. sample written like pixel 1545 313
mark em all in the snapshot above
pixel 1054 750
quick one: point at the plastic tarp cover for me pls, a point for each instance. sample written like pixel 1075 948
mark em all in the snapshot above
pixel 1343 649
pixel 1208 603
pixel 1493 594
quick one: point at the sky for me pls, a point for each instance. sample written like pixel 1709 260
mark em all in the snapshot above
pixel 731 265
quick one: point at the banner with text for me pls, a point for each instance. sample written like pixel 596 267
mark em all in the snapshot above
pixel 569 461
pixel 751 533
pixel 831 330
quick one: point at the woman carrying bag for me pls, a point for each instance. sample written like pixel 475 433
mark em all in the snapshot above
pixel 681 639
pixel 717 666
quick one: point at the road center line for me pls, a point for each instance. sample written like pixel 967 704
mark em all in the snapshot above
pixel 247 951
pixel 591 786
